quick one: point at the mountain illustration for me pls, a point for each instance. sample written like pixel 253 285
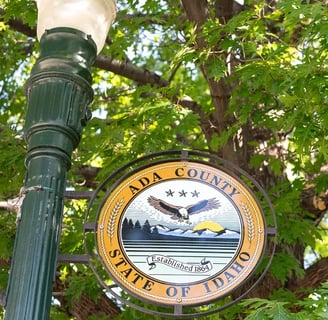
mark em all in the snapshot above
pixel 136 231
pixel 189 233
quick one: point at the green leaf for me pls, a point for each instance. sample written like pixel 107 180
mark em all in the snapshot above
pixel 283 265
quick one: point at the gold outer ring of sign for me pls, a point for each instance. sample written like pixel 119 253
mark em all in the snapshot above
pixel 127 275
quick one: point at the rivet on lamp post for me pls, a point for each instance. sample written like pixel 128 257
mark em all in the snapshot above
pixel 71 33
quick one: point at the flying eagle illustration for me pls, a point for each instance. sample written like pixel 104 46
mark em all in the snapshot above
pixel 181 213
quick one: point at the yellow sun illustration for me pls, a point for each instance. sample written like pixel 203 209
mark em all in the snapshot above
pixel 210 225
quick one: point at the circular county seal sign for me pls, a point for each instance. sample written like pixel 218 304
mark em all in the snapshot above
pixel 180 232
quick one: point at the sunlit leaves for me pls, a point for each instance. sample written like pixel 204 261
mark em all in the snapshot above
pixel 315 305
pixel 72 228
pixel 291 265
pixel 284 86
pixel 22 9
pixel 81 282
pixel 265 309
pixel 7 234
pixel 12 149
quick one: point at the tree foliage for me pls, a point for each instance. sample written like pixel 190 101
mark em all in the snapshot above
pixel 246 82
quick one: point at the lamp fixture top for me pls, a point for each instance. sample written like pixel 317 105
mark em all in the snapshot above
pixel 93 17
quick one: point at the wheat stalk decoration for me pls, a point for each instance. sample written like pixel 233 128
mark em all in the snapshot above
pixel 112 218
pixel 249 221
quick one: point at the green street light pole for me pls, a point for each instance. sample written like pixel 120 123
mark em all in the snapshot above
pixel 58 93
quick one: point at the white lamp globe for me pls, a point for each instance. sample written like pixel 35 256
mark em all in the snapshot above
pixel 93 17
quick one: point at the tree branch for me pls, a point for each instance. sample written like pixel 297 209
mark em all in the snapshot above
pixel 2 299
pixel 125 69
pixel 130 71
pixel 314 203
pixel 85 306
pixel 4 263
pixel 11 205
pixel 226 9
pixel 144 76
pixel 314 276
pixel 18 25
pixel 197 12
pixel 148 19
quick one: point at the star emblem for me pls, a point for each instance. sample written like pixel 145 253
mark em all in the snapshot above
pixel 183 193
pixel 195 194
